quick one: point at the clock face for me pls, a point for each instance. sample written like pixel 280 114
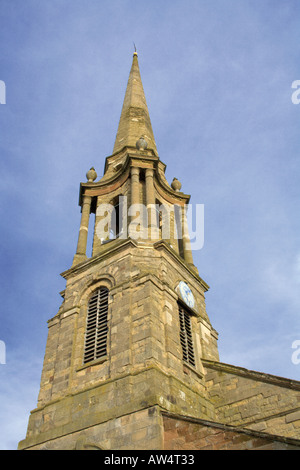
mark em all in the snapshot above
pixel 186 294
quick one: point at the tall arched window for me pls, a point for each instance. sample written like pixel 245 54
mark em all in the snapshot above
pixel 96 326
pixel 186 338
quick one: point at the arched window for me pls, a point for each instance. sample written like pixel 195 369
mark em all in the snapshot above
pixel 96 326
pixel 186 338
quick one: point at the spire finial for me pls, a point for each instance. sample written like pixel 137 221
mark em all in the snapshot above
pixel 135 53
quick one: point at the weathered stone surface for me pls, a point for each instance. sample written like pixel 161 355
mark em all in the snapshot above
pixel 181 433
pixel 142 394
pixel 254 400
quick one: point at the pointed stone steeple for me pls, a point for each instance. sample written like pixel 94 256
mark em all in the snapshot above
pixel 134 121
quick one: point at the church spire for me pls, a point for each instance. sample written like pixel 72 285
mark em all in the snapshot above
pixel 135 120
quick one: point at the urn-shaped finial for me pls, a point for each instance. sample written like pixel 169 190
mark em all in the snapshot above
pixel 176 185
pixel 141 144
pixel 91 175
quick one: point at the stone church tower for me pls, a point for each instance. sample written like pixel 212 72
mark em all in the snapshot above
pixel 131 360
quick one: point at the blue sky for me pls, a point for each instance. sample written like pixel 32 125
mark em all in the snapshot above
pixel 217 77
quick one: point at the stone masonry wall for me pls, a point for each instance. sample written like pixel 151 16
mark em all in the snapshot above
pixel 184 434
pixel 139 430
pixel 254 400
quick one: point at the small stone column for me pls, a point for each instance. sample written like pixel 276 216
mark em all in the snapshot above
pixel 150 201
pixel 186 243
pixel 83 230
pixel 135 180
pixel 135 198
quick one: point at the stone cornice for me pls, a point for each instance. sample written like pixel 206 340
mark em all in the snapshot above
pixel 119 244
pixel 116 180
pixel 112 247
pixel 252 375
